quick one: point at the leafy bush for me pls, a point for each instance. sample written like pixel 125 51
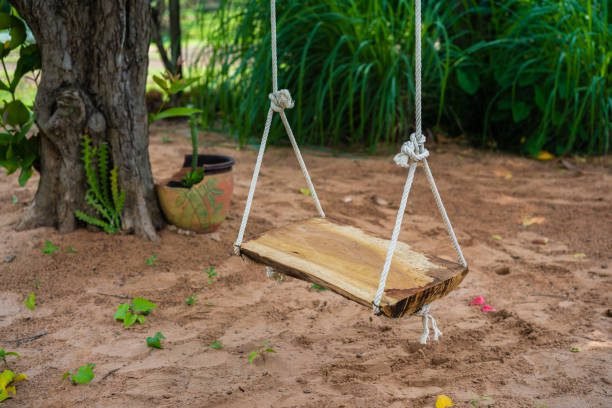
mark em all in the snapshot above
pixel 514 73
pixel 18 150
pixel 541 69
pixel 348 64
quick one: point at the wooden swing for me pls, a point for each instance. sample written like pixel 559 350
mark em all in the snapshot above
pixel 344 258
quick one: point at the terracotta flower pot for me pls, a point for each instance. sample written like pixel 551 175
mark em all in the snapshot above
pixel 203 207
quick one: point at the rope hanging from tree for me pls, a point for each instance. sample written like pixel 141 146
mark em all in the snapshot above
pixel 411 154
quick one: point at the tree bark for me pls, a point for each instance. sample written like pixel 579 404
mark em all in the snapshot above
pixel 94 71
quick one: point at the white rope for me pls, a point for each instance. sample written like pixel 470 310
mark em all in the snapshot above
pixel 249 202
pixel 427 318
pixel 394 237
pixel 444 215
pixel 273 46
pixel 413 152
pixel 300 160
pixel 417 76
pixel 279 101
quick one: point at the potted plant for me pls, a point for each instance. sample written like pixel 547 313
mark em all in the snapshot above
pixel 196 198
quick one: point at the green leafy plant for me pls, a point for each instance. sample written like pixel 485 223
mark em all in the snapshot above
pixel 155 341
pixel 191 300
pixel 484 401
pixel 30 301
pixel 103 195
pixel 49 248
pixel 196 174
pixel 166 140
pixel 172 84
pixel 14 199
pixel 216 345
pixel 8 379
pixel 552 93
pixel 349 66
pixel 260 352
pixel 151 260
pixel 211 272
pixel 317 287
pixel 83 375
pixel 4 354
pixel 18 149
pixel 134 312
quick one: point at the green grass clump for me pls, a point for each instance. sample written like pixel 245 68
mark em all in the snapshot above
pixel 542 68
pixel 515 74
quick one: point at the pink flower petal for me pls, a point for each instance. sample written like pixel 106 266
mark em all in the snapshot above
pixel 487 308
pixel 477 301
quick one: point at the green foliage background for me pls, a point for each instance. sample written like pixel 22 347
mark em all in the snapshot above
pixel 517 74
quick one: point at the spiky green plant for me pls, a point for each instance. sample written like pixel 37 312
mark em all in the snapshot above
pixel 103 194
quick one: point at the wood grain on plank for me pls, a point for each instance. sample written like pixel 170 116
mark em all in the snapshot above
pixel 349 261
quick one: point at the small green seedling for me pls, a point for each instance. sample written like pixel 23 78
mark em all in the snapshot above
pixel 191 300
pixel 317 287
pixel 49 249
pixel 166 140
pixel 8 379
pixel 305 191
pixel 260 352
pixel 212 274
pixel 216 345
pixel 14 200
pixel 83 375
pixel 71 250
pixel 484 401
pixel 134 312
pixel 30 301
pixel 575 349
pixel 155 341
pixel 152 260
pixel 4 354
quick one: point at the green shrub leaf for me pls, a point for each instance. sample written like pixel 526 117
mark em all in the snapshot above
pixel 142 306
pixel 30 301
pixel 155 341
pixel 468 81
pixel 16 113
pixel 520 111
pixel 84 374
pixel 174 113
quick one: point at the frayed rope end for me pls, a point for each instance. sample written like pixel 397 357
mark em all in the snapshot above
pixel 428 319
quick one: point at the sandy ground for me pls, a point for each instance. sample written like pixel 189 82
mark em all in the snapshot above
pixel 549 281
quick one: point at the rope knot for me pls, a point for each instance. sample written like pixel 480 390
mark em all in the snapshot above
pixel 412 150
pixel 427 319
pixel 281 100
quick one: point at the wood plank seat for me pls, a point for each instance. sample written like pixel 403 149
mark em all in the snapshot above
pixel 348 261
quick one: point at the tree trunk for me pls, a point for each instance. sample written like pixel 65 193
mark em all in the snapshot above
pixel 94 71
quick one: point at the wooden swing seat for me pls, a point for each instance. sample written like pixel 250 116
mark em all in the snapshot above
pixel 348 261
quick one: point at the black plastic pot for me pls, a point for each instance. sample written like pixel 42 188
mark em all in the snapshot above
pixel 212 163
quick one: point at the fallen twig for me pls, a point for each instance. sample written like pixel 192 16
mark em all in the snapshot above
pixel 550 295
pixel 115 296
pixel 24 340
pixel 111 372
